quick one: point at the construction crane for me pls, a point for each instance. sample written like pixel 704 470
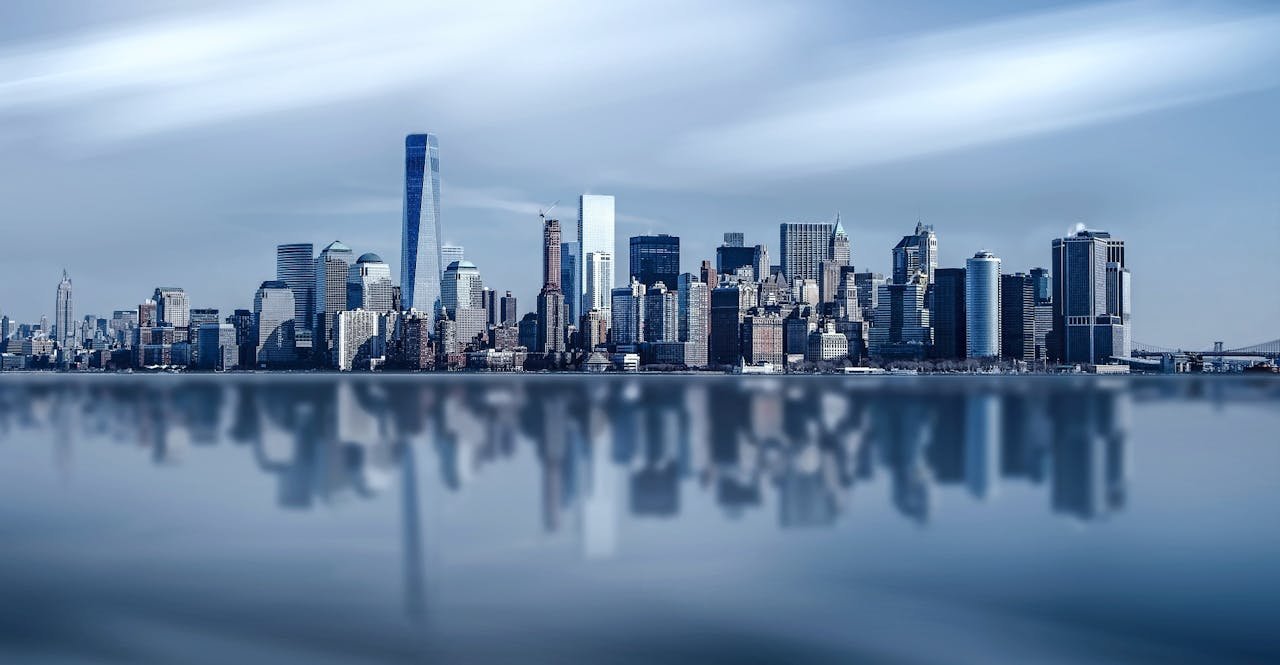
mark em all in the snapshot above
pixel 542 214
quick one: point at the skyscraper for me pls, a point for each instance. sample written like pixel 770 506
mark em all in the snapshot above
pixel 273 313
pixel 332 268
pixel 420 259
pixel 948 315
pixel 917 252
pixel 729 306
pixel 599 277
pixel 661 314
pixel 1017 318
pixel 841 251
pixel 693 304
pixel 551 254
pixel 627 311
pixel 982 306
pixel 804 248
pixel 902 323
pixel 63 318
pixel 570 273
pixel 509 310
pixel 216 346
pixel 1090 299
pixel 358 339
pixel 552 320
pixel 295 266
pixel 449 254
pixel 655 259
pixel 369 284
pixel 733 239
pixel 462 297
pixel 595 236
pixel 729 258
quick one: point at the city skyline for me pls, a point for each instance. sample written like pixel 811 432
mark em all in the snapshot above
pixel 1137 144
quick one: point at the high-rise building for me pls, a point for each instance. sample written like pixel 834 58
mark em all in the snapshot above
pixel 1017 317
pixel 551 321
pixel 172 306
pixel 982 305
pixel 627 312
pixel 551 254
pixel 594 329
pixel 489 302
pixel 369 284
pixel 273 313
pixel 847 307
pixel 826 345
pixel 570 272
pixel 295 266
pixel 733 239
pixel 595 236
pixel 420 259
pixel 509 311
pixel 1041 288
pixel 661 314
pixel 948 314
pixel 655 259
pixel 762 338
pixel 917 252
pixel 63 317
pixel 693 303
pixel 730 303
pixel 804 248
pixel 902 321
pixel 359 340
pixel 729 258
pixel 1090 299
pixel 6 328
pixel 216 347
pixel 449 254
pixel 599 276
pixel 841 251
pixel 331 271
pixel 462 287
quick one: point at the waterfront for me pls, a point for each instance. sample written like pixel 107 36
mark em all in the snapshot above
pixel 325 518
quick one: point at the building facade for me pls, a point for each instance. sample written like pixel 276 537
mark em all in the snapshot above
pixel 273 312
pixel 982 306
pixel 655 258
pixel 420 258
pixel 804 248
pixel 1090 299
pixel 595 236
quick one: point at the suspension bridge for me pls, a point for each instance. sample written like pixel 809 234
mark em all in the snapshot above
pixel 1270 350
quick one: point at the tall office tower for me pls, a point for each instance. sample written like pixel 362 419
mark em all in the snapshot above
pixel 489 303
pixel 6 328
pixel 172 306
pixel 420 260
pixel 841 250
pixel 359 341
pixel 982 306
pixel 449 254
pixel 216 347
pixel 729 306
pixel 295 266
pixel 147 314
pixel 1041 288
pixel 902 322
pixel 693 303
pixel 62 315
pixel 198 317
pixel 569 274
pixel 661 314
pixel 273 319
pixel 332 267
pixel 1017 318
pixel 509 311
pixel 734 239
pixel 418 352
pixel 527 328
pixel 599 276
pixel 711 277
pixel 655 259
pixel 868 284
pixel 1090 299
pixel 948 314
pixel 551 321
pixel 846 302
pixel 730 258
pixel 627 314
pixel 462 298
pixel 804 248
pixel 246 336
pixel 595 236
pixel 917 252
pixel 551 254
pixel 762 338
pixel 369 284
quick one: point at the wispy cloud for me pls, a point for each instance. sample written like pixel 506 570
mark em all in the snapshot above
pixel 994 82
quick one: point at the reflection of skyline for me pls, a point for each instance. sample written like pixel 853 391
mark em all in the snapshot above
pixel 799 447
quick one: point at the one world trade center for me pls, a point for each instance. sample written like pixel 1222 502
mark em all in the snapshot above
pixel 420 239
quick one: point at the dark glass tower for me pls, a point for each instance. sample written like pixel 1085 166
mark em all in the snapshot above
pixel 655 259
pixel 420 261
pixel 948 314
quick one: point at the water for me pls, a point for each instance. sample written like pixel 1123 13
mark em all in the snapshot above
pixel 325 519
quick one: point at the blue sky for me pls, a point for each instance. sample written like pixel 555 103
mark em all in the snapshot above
pixel 176 143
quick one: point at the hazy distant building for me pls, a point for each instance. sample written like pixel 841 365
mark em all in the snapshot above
pixel 733 239
pixel 982 306
pixel 595 236
pixel 570 273
pixel 655 258
pixel 508 308
pixel 173 307
pixel 1090 299
pixel 449 254
pixel 63 315
pixel 902 323
pixel 420 259
pixel 273 313
pixel 729 258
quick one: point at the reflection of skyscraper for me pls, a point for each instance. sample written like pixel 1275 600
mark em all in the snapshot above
pixel 1089 454
pixel 420 259
pixel 982 444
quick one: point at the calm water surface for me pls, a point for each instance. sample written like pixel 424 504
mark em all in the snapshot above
pixel 326 519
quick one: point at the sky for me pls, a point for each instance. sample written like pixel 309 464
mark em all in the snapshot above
pixel 176 143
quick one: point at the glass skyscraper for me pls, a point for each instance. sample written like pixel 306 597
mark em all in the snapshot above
pixel 595 236
pixel 420 260
pixel 1090 299
pixel 295 266
pixel 982 306
pixel 655 259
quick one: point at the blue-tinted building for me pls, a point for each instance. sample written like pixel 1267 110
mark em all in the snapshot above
pixel 655 259
pixel 420 260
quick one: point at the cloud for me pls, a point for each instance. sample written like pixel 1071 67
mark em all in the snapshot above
pixel 994 82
